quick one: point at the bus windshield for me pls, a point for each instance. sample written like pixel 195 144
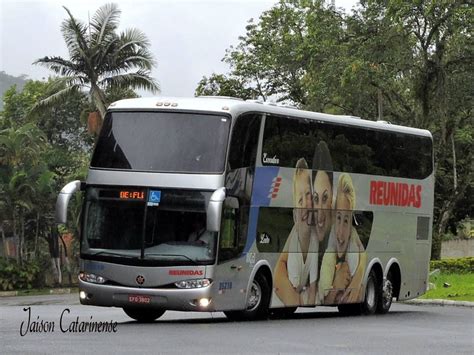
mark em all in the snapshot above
pixel 162 141
pixel 121 223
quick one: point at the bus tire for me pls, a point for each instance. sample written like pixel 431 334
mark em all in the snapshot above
pixel 372 294
pixel 386 295
pixel 257 304
pixel 143 315
pixel 282 313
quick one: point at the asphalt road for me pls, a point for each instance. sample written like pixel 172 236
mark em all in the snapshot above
pixel 407 329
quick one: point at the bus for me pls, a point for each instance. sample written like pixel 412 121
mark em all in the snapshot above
pixel 254 209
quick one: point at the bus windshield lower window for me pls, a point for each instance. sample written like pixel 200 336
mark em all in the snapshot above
pixel 172 233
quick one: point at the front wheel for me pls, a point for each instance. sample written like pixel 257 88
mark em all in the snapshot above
pixel 257 303
pixel 372 294
pixel 144 315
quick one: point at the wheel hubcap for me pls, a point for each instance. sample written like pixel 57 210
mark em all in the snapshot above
pixel 387 293
pixel 370 297
pixel 255 296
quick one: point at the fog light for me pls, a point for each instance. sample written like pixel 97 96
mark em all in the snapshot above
pixel 82 295
pixel 204 302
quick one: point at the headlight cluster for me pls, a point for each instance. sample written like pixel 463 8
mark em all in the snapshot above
pixel 93 278
pixel 198 283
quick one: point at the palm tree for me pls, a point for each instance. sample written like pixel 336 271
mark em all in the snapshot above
pixel 23 177
pixel 100 59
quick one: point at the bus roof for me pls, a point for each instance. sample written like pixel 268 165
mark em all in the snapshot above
pixel 235 106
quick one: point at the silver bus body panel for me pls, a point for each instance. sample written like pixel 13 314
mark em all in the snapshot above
pixel 169 299
pixel 237 107
pixel 158 285
pixel 230 287
pixel 154 179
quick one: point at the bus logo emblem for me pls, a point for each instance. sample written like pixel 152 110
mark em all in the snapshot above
pixel 276 182
pixel 140 280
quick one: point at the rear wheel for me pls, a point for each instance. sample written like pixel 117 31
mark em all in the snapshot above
pixel 386 296
pixel 372 294
pixel 258 301
pixel 143 315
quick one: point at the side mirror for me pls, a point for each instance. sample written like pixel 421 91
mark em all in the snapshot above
pixel 231 202
pixel 214 210
pixel 63 200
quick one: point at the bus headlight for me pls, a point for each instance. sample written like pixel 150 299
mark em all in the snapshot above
pixel 92 278
pixel 198 283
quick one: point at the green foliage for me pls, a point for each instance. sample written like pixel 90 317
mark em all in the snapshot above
pixel 100 59
pixel 454 265
pixel 15 276
pixel 38 154
pixel 221 85
pixel 465 228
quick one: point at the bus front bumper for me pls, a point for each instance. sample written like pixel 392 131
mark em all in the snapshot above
pixel 169 299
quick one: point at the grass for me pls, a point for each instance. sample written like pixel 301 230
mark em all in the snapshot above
pixel 461 289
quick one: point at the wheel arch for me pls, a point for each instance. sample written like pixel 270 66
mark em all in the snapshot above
pixel 376 265
pixel 264 267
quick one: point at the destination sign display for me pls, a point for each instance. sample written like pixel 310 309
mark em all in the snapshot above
pixel 125 194
pixel 132 195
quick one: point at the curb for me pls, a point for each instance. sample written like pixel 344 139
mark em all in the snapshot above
pixel 60 291
pixel 8 293
pixel 53 291
pixel 439 302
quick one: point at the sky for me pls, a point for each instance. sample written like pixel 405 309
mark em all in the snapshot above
pixel 188 37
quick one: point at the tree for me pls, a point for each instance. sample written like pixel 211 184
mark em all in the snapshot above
pixel 38 154
pixel 24 177
pixel 100 59
pixel 272 53
pixel 221 85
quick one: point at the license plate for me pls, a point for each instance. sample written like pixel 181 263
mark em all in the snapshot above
pixel 139 299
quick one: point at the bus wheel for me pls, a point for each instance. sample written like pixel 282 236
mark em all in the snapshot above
pixel 279 313
pixel 258 301
pixel 369 306
pixel 143 315
pixel 386 296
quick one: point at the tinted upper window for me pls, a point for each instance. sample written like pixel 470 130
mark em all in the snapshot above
pixel 353 149
pixel 163 141
pixel 244 141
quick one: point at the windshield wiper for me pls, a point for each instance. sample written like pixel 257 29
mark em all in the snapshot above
pixel 173 255
pixel 108 253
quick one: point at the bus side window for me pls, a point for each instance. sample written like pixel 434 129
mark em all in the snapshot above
pixel 230 241
pixel 244 142
pixel 228 235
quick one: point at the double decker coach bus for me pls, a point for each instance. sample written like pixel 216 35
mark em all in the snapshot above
pixel 219 204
